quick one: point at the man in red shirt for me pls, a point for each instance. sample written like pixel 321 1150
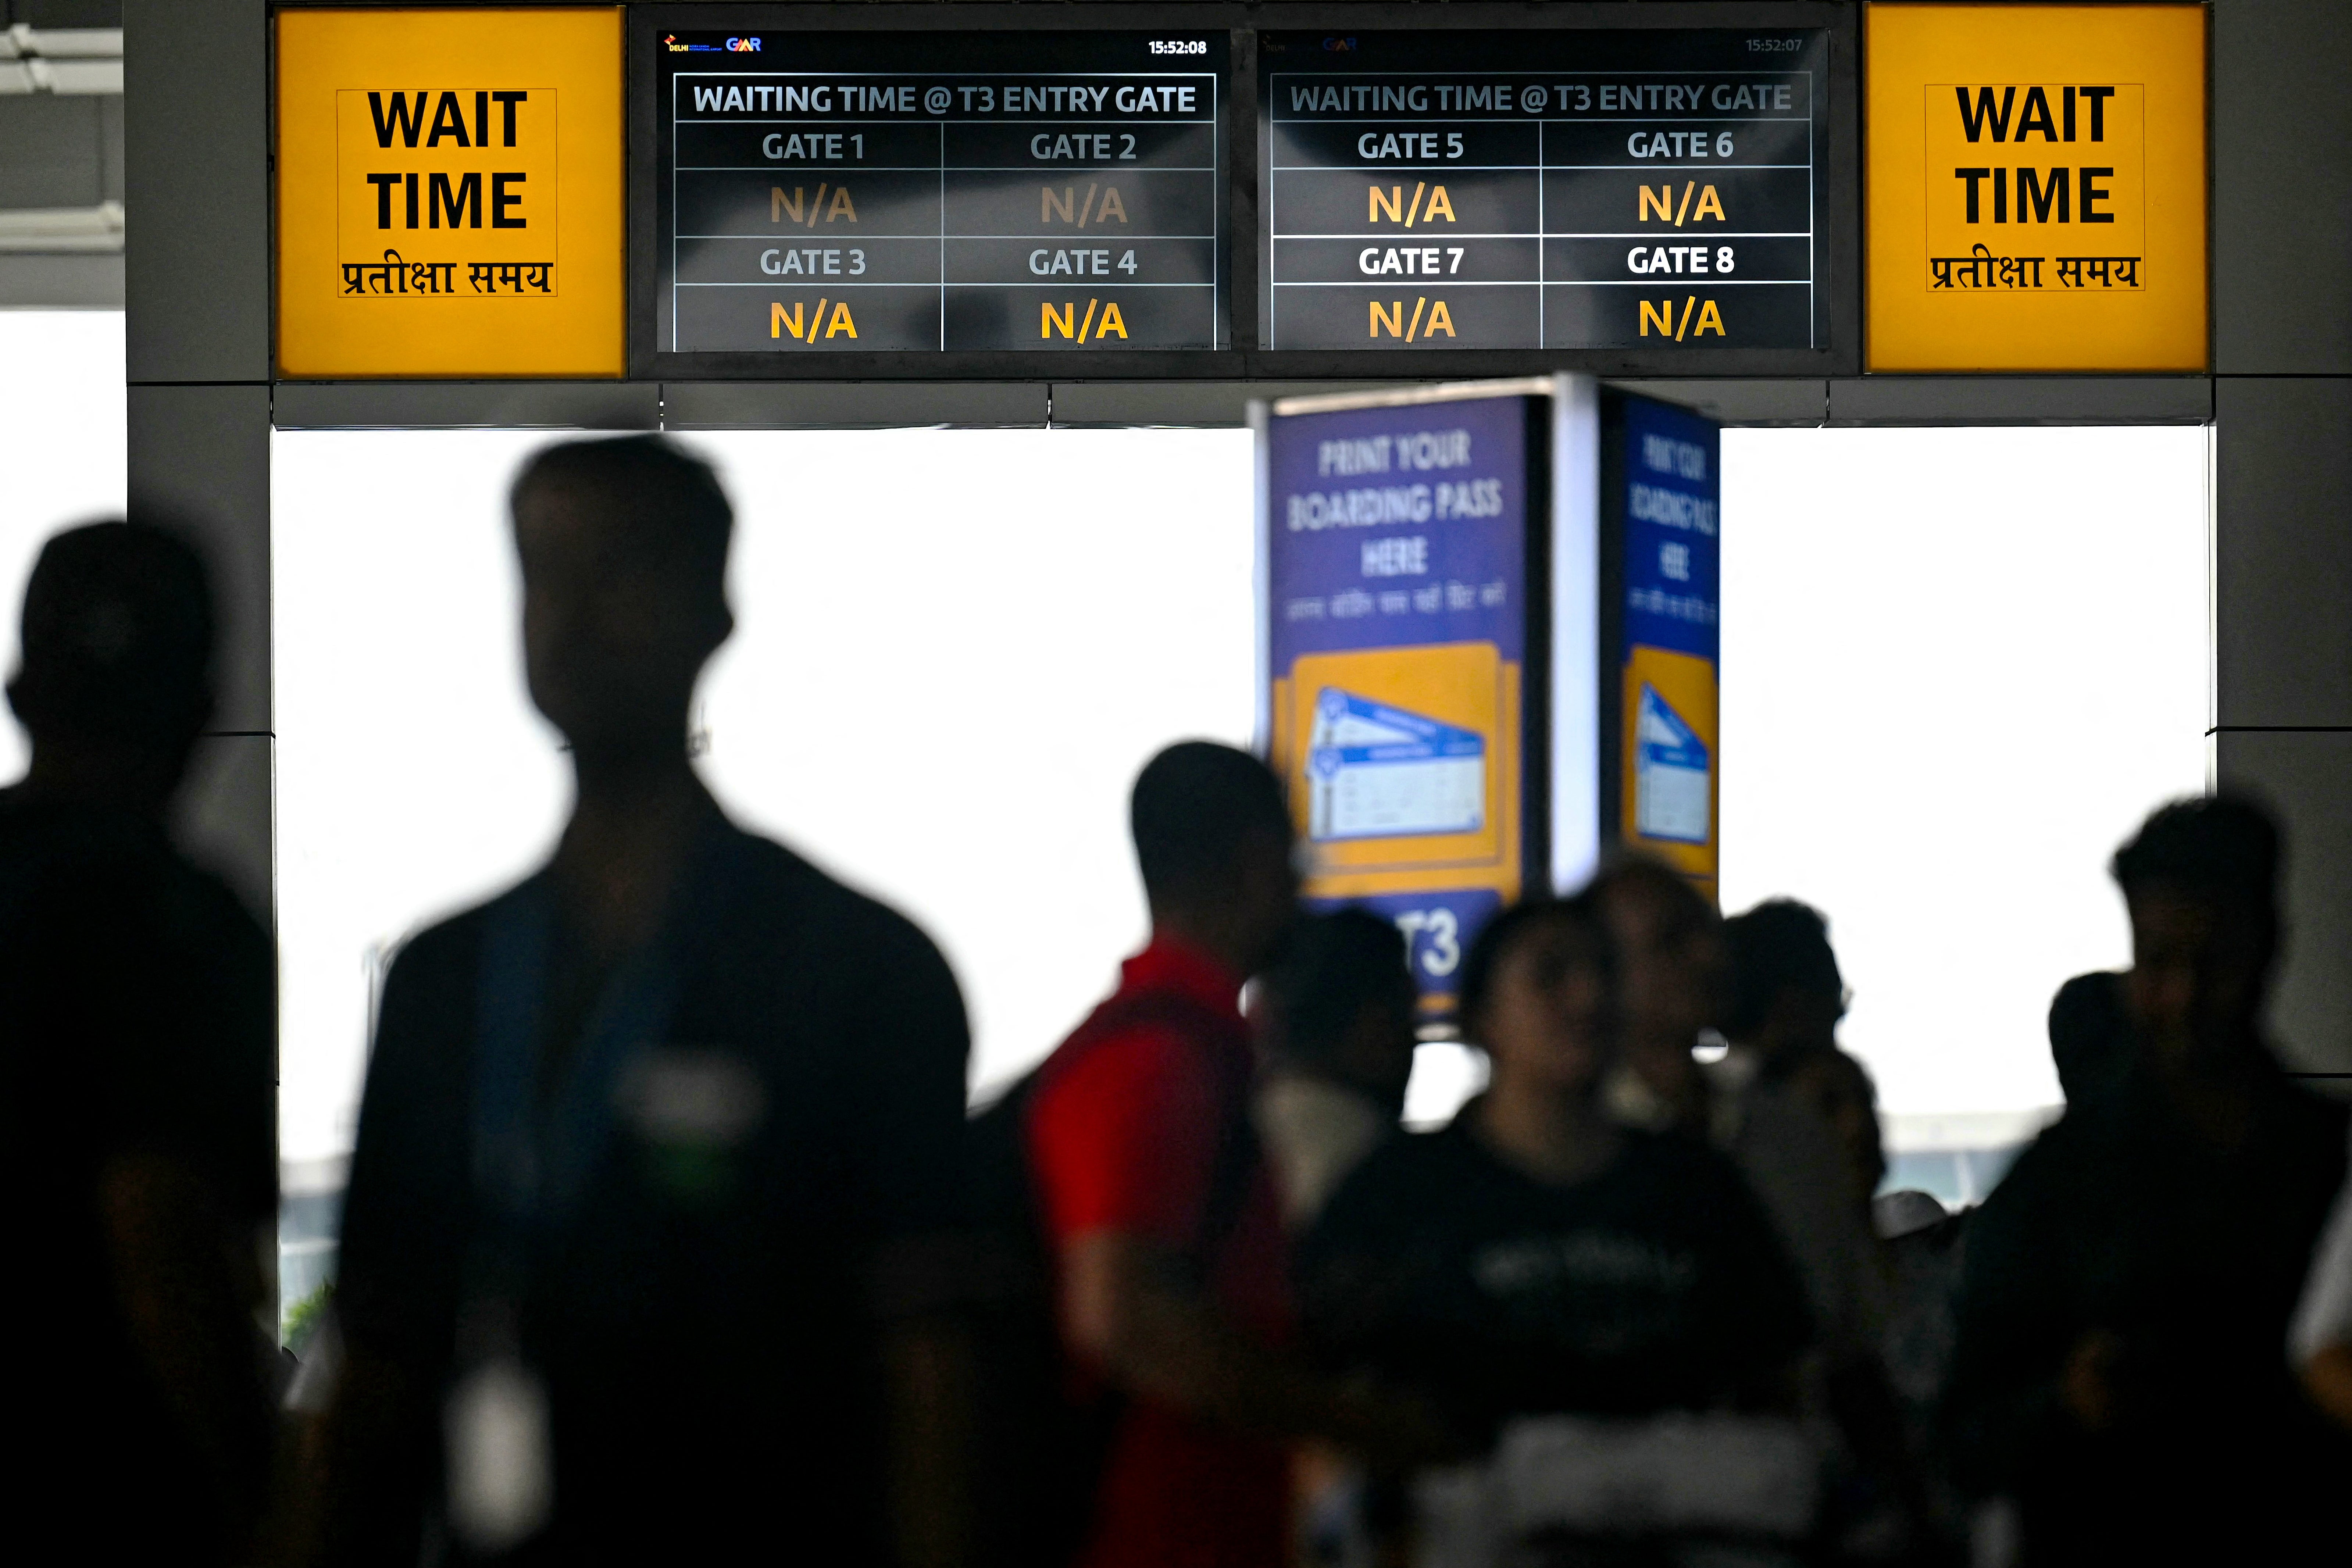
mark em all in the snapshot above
pixel 1164 1221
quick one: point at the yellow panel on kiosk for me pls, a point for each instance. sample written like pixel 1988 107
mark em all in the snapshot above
pixel 450 193
pixel 2036 188
pixel 1672 794
pixel 1466 697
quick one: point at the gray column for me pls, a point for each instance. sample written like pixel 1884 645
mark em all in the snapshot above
pixel 200 463
pixel 2282 407
pixel 197 190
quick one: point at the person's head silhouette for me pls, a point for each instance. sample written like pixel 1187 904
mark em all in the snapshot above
pixel 2090 1037
pixel 1340 1005
pixel 116 678
pixel 1788 994
pixel 1539 995
pixel 623 550
pixel 1671 968
pixel 1213 839
pixel 2201 881
pixel 1670 951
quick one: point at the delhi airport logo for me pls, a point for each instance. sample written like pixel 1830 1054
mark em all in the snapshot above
pixel 677 45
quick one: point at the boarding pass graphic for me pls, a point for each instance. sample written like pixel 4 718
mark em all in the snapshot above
pixel 1672 798
pixel 1378 772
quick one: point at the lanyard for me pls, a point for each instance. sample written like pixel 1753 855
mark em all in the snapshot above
pixel 532 1160
pixel 533 1154
pixel 533 1157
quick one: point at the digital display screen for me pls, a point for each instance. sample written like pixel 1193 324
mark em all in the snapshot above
pixel 830 193
pixel 1543 190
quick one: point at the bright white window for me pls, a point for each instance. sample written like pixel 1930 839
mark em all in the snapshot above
pixel 413 776
pixel 1960 666
pixel 63 431
pixel 953 651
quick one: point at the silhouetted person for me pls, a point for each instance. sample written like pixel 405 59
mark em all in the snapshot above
pixel 645 1140
pixel 1800 1116
pixel 1924 1250
pixel 1673 980
pixel 1534 1257
pixel 1796 1114
pixel 1787 996
pixel 138 1060
pixel 1159 1206
pixel 1835 1086
pixel 2119 1370
pixel 1335 1019
pixel 2090 1036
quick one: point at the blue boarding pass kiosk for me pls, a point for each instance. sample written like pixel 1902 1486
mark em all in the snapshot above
pixel 1488 646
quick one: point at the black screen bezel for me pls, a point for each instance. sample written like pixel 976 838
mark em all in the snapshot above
pixel 1840 225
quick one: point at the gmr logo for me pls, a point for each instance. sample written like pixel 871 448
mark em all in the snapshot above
pixel 743 46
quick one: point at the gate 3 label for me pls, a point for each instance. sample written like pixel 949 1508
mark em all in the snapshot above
pixel 450 193
pixel 2037 188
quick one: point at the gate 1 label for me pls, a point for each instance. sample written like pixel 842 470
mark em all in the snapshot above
pixel 1546 189
pixel 450 193
pixel 861 193
pixel 2037 187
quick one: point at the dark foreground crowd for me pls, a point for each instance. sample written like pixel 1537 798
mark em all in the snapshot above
pixel 668 1238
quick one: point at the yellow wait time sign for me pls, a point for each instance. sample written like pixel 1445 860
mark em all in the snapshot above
pixel 2036 188
pixel 450 193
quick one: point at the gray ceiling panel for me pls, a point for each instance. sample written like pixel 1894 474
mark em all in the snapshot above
pixel 51 152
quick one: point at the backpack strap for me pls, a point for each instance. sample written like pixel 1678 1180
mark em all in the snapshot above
pixel 1056 1449
pixel 1236 1162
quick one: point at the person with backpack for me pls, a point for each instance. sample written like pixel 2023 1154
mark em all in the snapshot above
pixel 1161 1219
